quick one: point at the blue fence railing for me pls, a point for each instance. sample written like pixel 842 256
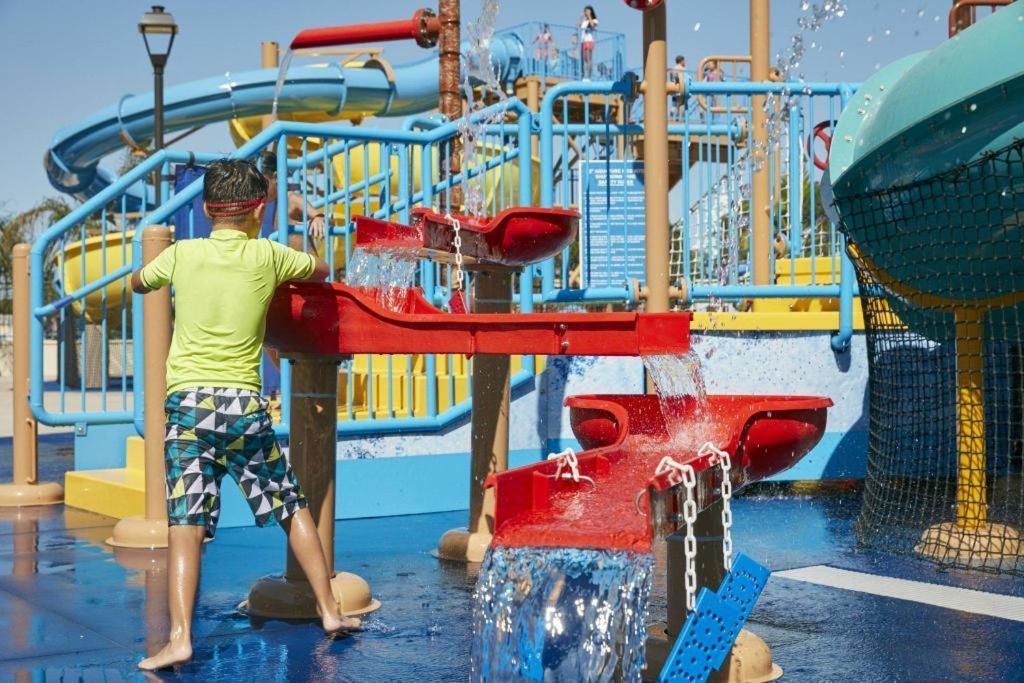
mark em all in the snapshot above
pixel 583 132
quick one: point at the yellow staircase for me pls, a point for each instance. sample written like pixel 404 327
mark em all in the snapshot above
pixel 118 492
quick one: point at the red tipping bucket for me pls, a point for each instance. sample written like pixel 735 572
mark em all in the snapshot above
pixel 514 238
pixel 627 437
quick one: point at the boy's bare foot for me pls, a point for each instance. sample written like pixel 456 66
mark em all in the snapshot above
pixel 174 652
pixel 337 624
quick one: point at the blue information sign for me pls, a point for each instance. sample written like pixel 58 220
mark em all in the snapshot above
pixel 612 206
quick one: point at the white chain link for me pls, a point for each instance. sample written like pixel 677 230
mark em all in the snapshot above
pixel 726 464
pixel 457 243
pixel 567 461
pixel 684 474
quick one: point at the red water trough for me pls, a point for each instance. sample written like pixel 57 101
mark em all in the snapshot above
pixel 334 319
pixel 626 437
pixel 516 237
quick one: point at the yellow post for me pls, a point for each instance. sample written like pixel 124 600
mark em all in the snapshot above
pixel 314 401
pixel 971 510
pixel 151 531
pixel 489 429
pixel 270 55
pixel 761 195
pixel 656 160
pixel 25 488
pixel 533 104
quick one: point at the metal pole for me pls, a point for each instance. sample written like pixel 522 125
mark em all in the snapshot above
pixel 314 415
pixel 25 488
pixel 150 531
pixel 761 196
pixel 158 126
pixel 656 159
pixel 449 88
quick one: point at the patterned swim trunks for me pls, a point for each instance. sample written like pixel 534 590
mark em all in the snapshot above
pixel 213 431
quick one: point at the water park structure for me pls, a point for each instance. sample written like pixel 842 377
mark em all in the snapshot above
pixel 665 324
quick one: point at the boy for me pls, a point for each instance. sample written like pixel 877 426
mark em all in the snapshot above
pixel 217 421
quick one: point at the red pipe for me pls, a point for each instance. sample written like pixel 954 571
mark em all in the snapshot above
pixel 423 27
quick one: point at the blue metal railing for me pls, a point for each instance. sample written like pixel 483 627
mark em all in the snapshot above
pixel 556 53
pixel 346 171
pixel 326 155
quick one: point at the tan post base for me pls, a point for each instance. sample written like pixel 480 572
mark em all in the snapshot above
pixel 314 401
pixel 978 545
pixel 20 495
pixel 25 489
pixel 750 660
pixel 459 545
pixel 150 531
pixel 277 597
pixel 139 532
pixel 488 450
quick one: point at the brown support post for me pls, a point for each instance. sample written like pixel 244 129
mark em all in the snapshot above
pixel 656 159
pixel 489 430
pixel 25 488
pixel 270 55
pixel 314 415
pixel 761 196
pixel 449 88
pixel 151 531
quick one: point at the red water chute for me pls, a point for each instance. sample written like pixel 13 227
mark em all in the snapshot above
pixel 423 27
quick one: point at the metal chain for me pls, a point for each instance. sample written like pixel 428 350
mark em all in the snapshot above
pixel 679 473
pixel 690 543
pixel 725 463
pixel 457 243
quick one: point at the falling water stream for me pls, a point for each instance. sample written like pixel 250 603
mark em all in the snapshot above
pixel 389 274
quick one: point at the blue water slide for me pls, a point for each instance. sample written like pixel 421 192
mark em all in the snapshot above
pixel 72 162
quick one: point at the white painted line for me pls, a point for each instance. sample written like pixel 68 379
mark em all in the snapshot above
pixel 950 597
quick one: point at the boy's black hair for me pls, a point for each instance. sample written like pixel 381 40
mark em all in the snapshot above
pixel 233 180
pixel 680 58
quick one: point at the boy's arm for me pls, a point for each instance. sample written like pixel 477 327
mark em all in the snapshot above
pixel 155 274
pixel 294 265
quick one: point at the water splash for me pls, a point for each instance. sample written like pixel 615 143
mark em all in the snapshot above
pixel 282 73
pixel 390 273
pixel 678 376
pixel 560 614
pixel 478 72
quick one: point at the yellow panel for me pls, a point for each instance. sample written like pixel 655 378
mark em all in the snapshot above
pixel 116 493
pixel 773 321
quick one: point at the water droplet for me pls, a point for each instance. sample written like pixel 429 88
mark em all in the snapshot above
pixel 804 6
pixel 870 38
pixel 878 65
pixel 974 107
pixel 888 32
pixel 848 138
pixel 937 18
pixel 963 131
pixel 696 27
pixel 920 13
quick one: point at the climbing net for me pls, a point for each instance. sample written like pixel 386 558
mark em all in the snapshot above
pixel 940 264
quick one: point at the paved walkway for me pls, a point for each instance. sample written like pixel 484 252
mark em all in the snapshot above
pixel 94 402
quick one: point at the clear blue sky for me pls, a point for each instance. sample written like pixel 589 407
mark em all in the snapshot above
pixel 64 59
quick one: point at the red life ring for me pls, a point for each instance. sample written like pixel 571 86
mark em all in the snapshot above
pixel 822 131
pixel 643 5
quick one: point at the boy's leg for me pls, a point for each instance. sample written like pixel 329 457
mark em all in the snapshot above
pixel 184 546
pixel 305 544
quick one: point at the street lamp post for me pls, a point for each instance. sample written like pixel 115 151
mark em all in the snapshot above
pixel 158 30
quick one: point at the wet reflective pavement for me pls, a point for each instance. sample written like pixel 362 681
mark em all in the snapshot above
pixel 71 609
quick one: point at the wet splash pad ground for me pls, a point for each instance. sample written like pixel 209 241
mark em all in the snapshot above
pixel 81 615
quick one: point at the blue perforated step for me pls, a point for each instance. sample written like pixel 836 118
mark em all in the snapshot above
pixel 711 629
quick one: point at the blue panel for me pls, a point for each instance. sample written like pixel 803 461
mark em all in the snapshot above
pixel 102 446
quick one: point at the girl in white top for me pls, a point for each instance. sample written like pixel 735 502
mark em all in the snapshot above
pixel 588 24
